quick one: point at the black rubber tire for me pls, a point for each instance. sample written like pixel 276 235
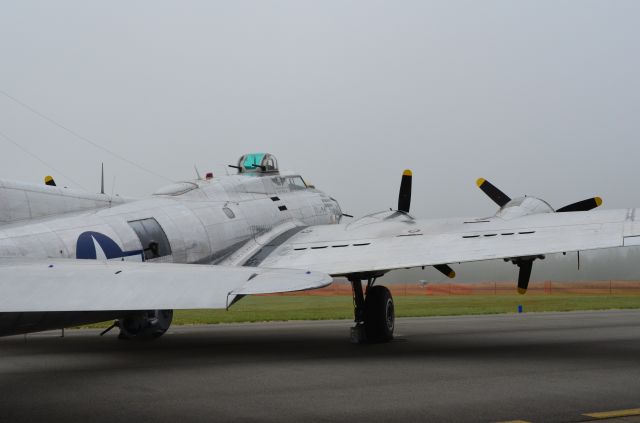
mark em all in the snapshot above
pixel 145 326
pixel 379 314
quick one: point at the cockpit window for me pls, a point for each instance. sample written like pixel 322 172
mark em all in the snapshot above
pixel 282 184
pixel 296 183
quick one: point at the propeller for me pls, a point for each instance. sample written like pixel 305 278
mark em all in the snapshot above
pixel 445 270
pixel 501 199
pixel 524 275
pixel 404 205
pixel 584 205
pixel 48 180
pixel 498 197
pixel 525 264
pixel 404 198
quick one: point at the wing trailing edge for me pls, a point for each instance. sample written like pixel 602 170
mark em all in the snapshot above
pixel 89 285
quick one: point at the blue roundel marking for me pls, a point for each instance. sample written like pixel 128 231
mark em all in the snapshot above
pixel 89 242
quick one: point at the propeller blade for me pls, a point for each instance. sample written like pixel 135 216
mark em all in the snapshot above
pixel 49 181
pixel 445 270
pixel 499 197
pixel 524 275
pixel 404 198
pixel 584 205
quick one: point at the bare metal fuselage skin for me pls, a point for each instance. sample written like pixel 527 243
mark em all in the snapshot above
pixel 205 222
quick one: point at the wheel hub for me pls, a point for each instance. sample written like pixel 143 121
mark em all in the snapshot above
pixel 390 315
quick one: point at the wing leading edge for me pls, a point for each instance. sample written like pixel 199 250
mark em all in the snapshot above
pixel 390 241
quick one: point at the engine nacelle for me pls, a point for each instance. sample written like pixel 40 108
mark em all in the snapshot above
pixel 524 206
pixel 145 325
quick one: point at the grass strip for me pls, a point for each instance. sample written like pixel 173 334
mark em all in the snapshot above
pixel 282 308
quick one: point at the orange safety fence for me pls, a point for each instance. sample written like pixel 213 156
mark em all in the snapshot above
pixel 608 287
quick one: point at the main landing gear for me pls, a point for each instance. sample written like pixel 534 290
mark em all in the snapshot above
pixel 144 325
pixel 374 312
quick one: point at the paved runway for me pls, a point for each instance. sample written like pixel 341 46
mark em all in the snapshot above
pixel 534 367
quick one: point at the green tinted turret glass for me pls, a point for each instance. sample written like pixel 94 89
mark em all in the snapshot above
pixel 252 161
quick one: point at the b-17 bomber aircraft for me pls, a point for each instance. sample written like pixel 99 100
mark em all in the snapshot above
pixel 69 257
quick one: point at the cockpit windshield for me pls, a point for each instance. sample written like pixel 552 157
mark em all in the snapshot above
pixel 296 183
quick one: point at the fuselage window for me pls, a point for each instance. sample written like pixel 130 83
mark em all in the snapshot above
pixel 230 214
pixel 153 239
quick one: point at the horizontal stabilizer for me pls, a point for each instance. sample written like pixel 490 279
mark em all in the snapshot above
pixel 21 201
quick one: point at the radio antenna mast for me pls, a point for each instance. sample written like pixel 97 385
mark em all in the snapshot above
pixel 102 179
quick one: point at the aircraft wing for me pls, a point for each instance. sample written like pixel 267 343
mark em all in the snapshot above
pixel 394 240
pixel 89 285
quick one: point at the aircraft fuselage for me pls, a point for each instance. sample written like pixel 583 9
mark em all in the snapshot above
pixel 205 221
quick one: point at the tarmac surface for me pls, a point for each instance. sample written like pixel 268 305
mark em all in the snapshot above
pixel 547 367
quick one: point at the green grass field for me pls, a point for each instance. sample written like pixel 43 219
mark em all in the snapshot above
pixel 282 308
pixel 258 309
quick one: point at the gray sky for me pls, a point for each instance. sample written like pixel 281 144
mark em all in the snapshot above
pixel 542 98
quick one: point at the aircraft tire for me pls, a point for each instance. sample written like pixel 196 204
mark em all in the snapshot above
pixel 145 326
pixel 379 315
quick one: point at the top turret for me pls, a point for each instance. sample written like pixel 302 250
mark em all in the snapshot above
pixel 258 163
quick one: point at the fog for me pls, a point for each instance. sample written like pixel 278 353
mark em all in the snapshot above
pixel 540 97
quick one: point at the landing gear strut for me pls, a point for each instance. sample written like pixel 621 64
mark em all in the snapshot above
pixel 374 312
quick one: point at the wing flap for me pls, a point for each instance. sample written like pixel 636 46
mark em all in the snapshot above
pixel 273 283
pixel 88 285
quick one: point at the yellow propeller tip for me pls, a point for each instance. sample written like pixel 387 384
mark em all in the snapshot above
pixel 452 274
pixel 598 201
pixel 48 178
pixel 407 172
pixel 480 181
pixel 522 291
